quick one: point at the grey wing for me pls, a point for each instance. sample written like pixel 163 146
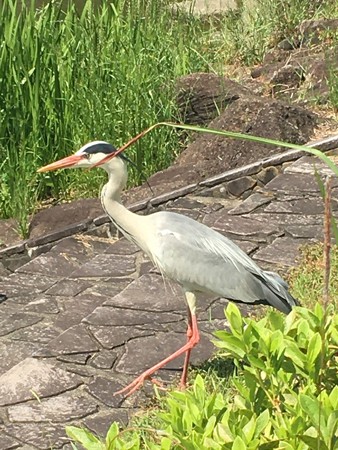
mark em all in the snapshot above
pixel 201 259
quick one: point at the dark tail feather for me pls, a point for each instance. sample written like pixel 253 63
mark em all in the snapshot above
pixel 277 294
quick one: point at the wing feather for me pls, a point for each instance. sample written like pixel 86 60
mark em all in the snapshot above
pixel 200 258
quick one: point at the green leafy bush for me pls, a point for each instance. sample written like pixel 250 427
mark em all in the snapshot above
pixel 284 394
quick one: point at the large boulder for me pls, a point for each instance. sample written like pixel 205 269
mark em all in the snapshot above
pixel 61 216
pixel 202 96
pixel 212 154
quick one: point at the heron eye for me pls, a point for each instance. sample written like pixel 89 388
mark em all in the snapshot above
pixel 87 155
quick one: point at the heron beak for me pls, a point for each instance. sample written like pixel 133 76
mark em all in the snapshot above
pixel 69 161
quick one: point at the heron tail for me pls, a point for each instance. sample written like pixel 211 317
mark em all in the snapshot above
pixel 277 293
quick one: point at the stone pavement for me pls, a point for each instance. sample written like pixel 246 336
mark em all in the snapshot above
pixel 80 317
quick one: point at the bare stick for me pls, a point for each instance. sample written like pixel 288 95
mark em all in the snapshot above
pixel 327 241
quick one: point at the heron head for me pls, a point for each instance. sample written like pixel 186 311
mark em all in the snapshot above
pixel 90 155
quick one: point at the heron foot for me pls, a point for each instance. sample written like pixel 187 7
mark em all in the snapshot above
pixel 138 383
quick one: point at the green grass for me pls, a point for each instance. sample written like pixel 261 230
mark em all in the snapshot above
pixel 307 278
pixel 68 77
pixel 250 31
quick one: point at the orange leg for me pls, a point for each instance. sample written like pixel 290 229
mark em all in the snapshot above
pixel 193 339
pixel 183 381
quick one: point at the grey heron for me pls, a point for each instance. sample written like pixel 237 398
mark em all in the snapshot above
pixel 197 257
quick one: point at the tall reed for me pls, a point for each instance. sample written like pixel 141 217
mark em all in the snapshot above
pixel 69 76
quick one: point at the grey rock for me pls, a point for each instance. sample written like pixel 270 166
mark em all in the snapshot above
pixel 163 198
pixel 74 340
pixel 285 219
pixel 109 316
pixel 286 183
pixel 232 174
pixel 74 309
pixel 80 248
pixel 283 252
pixel 68 288
pixel 201 96
pixel 13 352
pixel 14 262
pixel 17 321
pixel 57 235
pixel 286 77
pixel 62 408
pixel 42 305
pixel 304 206
pixel 186 212
pixel 22 284
pixel 251 203
pixel 307 232
pixel 237 227
pixel 50 265
pixel 100 220
pixel 247 246
pixel 12 249
pixel 40 333
pixel 32 375
pixel 104 359
pixel 108 288
pixel 267 174
pixel 76 358
pixel 40 436
pixel 110 337
pixel 103 389
pixel 240 185
pixel 122 247
pixel 285 44
pixel 186 203
pixel 135 360
pixel 309 165
pixel 106 266
pixel 100 423
pixel 8 443
pixel 150 292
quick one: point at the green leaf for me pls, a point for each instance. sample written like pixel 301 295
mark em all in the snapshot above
pixel 277 342
pixel 332 426
pixel 315 411
pixel 166 443
pixel 334 398
pixel 249 429
pixel 269 445
pixel 112 433
pixel 313 443
pixel 223 433
pixel 87 439
pixel 276 320
pixel 293 352
pixel 262 422
pixel 314 348
pixel 210 426
pixel 234 318
pixel 238 444
pixel 199 389
pixel 233 344
pixel 256 362
pixel 319 312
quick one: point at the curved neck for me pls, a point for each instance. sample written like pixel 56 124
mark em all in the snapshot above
pixel 125 221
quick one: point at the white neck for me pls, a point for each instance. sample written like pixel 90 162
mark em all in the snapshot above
pixel 126 221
